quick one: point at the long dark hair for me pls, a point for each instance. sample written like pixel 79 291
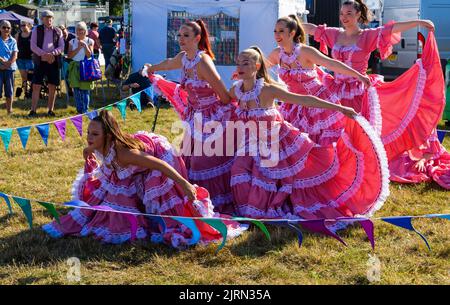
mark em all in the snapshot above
pixel 199 28
pixel 111 127
pixel 294 24
pixel 360 6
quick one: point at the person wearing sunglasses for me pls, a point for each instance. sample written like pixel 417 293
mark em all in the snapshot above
pixel 8 57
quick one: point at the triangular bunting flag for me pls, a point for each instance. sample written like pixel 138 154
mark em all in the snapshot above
pixel 441 135
pixel 8 203
pixel 367 225
pixel 257 223
pixel 137 101
pixel 43 131
pixel 26 208
pixel 150 92
pixel 122 106
pixel 51 209
pixel 445 216
pixel 61 127
pixel 188 222
pixel 76 203
pixel 219 226
pixel 24 133
pixel 78 123
pixel 6 134
pixel 299 233
pixel 91 115
pixel 405 222
pixel 318 226
pixel 109 107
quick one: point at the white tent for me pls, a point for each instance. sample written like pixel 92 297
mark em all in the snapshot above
pixel 256 22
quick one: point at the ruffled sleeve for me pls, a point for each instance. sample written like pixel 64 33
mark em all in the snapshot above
pixel 386 39
pixel 326 37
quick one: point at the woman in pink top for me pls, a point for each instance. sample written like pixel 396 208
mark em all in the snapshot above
pixel 299 179
pixel 404 111
pixel 298 71
pixel 202 97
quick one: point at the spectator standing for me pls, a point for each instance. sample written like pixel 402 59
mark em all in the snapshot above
pixel 67 36
pixel 24 59
pixel 79 48
pixel 8 57
pixel 94 35
pixel 107 38
pixel 47 44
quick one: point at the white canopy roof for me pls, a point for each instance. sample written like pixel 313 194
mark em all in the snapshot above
pixel 257 19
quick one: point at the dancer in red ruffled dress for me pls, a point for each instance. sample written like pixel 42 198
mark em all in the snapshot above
pixel 202 96
pixel 138 174
pixel 298 178
pixel 298 71
pixel 404 111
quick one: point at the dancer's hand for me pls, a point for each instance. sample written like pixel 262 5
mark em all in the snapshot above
pixel 146 70
pixel 366 80
pixel 428 24
pixel 189 190
pixel 87 152
pixel 349 112
pixel 420 165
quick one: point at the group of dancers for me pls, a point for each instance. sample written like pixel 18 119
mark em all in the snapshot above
pixel 339 138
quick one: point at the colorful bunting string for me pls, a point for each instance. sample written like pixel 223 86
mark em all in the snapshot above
pixel 441 134
pixel 316 226
pixel 77 120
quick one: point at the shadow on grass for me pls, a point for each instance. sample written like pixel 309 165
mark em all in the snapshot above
pixel 35 247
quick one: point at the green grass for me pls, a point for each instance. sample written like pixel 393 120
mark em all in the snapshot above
pixel 46 173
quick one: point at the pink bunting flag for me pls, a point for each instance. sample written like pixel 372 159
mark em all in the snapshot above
pixel 318 226
pixel 61 127
pixel 78 123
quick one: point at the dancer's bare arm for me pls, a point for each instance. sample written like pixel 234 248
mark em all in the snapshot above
pixel 207 71
pixel 167 64
pixel 277 92
pixel 136 157
pixel 314 56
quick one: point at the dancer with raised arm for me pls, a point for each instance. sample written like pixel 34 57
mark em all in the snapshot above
pixel 297 68
pixel 202 96
pixel 300 179
pixel 404 111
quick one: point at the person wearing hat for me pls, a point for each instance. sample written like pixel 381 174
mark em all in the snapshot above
pixel 107 38
pixel 47 44
pixel 8 57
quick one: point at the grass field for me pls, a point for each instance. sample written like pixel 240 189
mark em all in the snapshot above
pixel 46 173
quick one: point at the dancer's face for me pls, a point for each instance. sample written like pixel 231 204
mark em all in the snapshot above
pixel 282 35
pixel 349 16
pixel 96 136
pixel 187 38
pixel 246 66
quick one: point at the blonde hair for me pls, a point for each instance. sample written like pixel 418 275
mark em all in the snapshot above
pixel 81 25
pixel 257 55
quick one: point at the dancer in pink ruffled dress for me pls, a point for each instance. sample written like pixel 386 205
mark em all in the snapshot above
pixel 429 162
pixel 404 111
pixel 201 97
pixel 139 174
pixel 292 177
pixel 298 71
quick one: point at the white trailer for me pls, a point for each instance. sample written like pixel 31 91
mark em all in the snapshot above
pixel 410 47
